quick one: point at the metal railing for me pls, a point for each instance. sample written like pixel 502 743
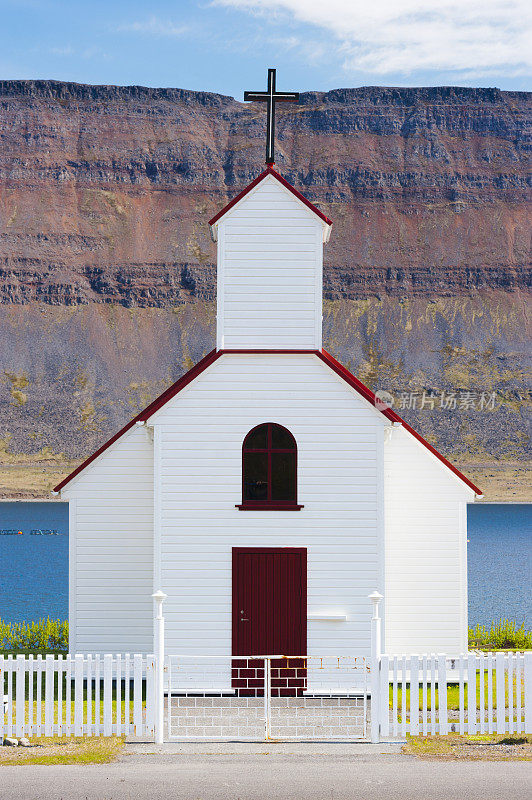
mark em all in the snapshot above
pixel 270 697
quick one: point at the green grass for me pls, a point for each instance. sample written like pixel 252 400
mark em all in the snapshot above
pixel 453 694
pixel 64 707
pixel 51 636
pixel 64 750
pixel 88 702
pixel 502 635
pixel 45 636
pixel 33 652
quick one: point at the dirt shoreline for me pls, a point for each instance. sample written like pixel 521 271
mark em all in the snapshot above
pixel 502 482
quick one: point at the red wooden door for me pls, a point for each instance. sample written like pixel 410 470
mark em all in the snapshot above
pixel 270 616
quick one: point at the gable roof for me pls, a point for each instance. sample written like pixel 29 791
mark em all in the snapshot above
pixel 392 415
pixel 163 398
pixel 214 355
pixel 274 174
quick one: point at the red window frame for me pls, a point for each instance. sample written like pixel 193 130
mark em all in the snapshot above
pixel 269 504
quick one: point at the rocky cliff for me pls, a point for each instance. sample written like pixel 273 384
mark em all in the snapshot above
pixel 107 271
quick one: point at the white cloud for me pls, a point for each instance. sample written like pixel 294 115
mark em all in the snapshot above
pixel 67 50
pixel 312 50
pixel 473 37
pixel 154 26
pixel 92 52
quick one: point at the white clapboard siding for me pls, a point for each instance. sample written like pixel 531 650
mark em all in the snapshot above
pixel 425 540
pixel 198 440
pixel 270 272
pixel 111 549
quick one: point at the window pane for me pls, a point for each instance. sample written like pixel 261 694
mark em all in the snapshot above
pixel 283 477
pixel 258 438
pixel 255 476
pixel 281 437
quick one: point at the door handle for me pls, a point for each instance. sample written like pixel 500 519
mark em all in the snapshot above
pixel 243 620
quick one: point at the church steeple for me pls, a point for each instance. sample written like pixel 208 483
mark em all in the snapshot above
pixel 270 268
pixel 270 257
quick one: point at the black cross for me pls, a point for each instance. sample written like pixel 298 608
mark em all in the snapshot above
pixel 270 97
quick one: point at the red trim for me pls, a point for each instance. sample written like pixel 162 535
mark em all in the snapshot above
pixel 391 414
pixel 249 505
pixel 272 352
pixel 269 171
pixel 302 550
pixel 172 390
pixel 268 503
pixel 214 355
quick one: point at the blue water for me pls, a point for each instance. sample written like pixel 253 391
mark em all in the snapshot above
pixel 499 562
pixel 34 569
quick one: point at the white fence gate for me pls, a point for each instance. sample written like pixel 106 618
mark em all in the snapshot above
pixel 83 695
pixel 266 698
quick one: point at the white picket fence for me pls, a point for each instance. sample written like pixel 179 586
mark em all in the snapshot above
pixel 494 694
pixel 119 695
pixel 266 696
pixel 82 695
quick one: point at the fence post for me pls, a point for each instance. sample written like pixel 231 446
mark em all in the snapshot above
pixel 267 699
pixel 107 694
pixel 4 697
pixel 528 691
pixel 472 693
pixel 442 695
pixel 500 698
pixel 150 695
pixel 49 696
pixel 20 701
pixel 375 598
pixel 79 663
pixel 159 598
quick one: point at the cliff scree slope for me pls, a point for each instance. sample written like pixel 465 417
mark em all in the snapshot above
pixel 107 271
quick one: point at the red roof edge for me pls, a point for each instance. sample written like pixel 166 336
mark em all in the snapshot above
pixel 213 356
pixel 172 390
pixel 391 414
pixel 270 171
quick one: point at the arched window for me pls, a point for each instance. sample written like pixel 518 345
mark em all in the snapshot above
pixel 269 469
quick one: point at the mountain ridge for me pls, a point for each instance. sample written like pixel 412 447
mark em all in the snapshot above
pixel 105 195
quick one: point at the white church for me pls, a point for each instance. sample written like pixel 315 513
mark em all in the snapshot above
pixel 266 492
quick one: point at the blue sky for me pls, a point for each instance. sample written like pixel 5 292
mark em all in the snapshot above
pixel 226 45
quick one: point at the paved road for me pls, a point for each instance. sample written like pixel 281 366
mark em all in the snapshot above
pixel 270 772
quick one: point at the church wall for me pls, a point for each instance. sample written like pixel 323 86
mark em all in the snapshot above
pixel 199 436
pixel 111 549
pixel 426 558
pixel 270 272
